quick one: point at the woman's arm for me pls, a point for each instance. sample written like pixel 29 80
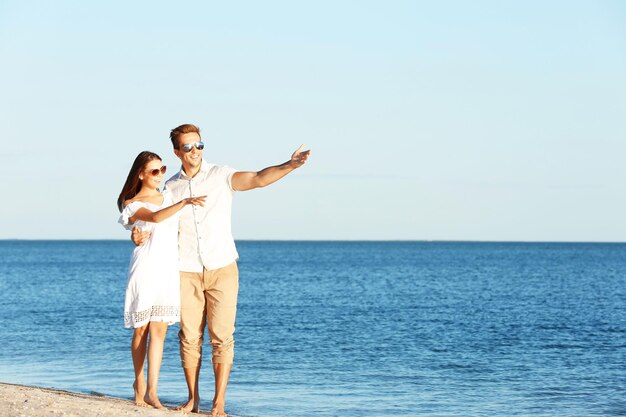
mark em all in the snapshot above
pixel 158 216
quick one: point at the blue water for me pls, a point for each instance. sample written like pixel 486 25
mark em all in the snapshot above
pixel 347 328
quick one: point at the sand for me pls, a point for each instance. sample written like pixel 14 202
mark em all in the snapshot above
pixel 23 401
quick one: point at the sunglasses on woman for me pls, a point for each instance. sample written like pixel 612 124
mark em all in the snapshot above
pixel 188 147
pixel 156 171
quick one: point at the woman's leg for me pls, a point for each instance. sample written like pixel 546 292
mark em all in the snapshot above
pixel 138 352
pixel 155 355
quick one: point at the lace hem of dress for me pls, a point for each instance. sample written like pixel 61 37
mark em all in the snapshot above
pixel 150 314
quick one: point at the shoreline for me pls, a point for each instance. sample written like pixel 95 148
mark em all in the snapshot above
pixel 29 401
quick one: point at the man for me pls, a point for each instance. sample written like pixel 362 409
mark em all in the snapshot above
pixel 209 278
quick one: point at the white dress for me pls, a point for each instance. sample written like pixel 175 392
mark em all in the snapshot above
pixel 153 288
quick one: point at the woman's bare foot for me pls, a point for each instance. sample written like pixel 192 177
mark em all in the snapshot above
pixel 191 406
pixel 153 400
pixel 140 392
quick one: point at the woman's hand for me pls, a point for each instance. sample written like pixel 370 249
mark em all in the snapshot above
pixel 196 201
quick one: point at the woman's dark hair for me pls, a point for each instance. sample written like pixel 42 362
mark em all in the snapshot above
pixel 133 184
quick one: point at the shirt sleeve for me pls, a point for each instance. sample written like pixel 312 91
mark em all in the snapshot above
pixel 127 213
pixel 228 172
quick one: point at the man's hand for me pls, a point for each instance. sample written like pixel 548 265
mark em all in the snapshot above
pixel 299 157
pixel 138 236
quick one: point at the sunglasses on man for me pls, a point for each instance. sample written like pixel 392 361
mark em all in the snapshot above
pixel 188 147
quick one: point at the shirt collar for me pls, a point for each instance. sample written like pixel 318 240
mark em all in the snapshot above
pixel 204 167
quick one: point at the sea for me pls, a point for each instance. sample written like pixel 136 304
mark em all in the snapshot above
pixel 350 329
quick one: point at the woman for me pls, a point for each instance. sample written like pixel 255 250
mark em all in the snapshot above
pixel 153 288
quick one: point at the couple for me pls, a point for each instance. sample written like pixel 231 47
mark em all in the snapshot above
pixel 184 266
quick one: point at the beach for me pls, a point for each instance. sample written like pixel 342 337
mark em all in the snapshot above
pixel 24 401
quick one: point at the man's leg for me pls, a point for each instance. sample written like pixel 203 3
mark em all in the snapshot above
pixel 222 373
pixel 222 286
pixel 192 322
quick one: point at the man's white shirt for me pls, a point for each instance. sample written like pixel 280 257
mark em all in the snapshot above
pixel 205 237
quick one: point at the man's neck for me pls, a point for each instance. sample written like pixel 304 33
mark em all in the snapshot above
pixel 191 171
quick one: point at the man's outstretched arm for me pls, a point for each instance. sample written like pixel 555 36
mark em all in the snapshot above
pixel 243 181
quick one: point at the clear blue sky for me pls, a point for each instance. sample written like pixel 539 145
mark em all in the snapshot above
pixel 481 120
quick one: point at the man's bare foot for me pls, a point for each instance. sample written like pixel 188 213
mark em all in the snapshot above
pixel 140 392
pixel 191 406
pixel 218 411
pixel 153 400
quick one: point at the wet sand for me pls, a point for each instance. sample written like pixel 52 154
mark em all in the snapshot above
pixel 23 401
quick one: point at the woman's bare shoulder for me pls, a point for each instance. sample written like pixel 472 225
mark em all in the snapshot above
pixel 151 199
pixel 129 202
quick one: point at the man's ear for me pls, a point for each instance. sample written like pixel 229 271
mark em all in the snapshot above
pixel 177 153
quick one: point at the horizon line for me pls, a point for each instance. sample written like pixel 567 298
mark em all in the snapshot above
pixel 337 240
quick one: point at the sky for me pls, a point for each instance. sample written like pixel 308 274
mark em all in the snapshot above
pixel 447 120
